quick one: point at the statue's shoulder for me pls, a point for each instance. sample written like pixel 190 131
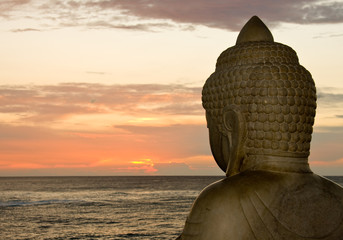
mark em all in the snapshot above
pixel 212 198
pixel 217 214
pixel 295 206
pixel 267 205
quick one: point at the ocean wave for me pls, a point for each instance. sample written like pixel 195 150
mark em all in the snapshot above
pixel 130 235
pixel 19 203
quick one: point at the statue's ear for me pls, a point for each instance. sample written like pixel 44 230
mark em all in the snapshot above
pixel 216 137
pixel 234 123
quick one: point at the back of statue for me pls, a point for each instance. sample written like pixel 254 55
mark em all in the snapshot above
pixel 260 106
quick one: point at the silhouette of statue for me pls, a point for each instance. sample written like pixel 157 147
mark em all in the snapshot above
pixel 260 107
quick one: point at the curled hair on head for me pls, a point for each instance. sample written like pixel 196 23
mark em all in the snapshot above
pixel 274 93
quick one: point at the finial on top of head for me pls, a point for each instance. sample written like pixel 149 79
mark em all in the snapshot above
pixel 254 30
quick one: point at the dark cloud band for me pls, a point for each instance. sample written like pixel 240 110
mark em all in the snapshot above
pixel 147 15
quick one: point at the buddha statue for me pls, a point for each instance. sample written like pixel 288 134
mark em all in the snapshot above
pixel 260 106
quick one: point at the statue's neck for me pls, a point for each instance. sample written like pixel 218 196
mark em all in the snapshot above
pixel 276 163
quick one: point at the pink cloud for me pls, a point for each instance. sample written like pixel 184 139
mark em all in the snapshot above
pixel 48 103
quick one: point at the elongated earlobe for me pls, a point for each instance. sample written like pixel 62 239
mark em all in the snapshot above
pixel 235 124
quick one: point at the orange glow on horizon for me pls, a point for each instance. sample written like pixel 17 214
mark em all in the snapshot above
pixel 338 162
pixel 146 164
pixel 146 161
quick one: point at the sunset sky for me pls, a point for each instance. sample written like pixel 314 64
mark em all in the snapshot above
pixel 113 87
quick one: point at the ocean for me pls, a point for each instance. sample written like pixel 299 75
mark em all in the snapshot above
pixel 149 207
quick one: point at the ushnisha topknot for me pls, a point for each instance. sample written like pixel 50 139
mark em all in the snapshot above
pixel 254 30
pixel 274 93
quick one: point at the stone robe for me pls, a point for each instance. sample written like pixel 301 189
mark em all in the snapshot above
pixel 263 205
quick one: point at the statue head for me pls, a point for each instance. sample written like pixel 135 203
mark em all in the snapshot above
pixel 260 103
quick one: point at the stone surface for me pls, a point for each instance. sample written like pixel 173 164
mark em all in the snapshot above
pixel 260 106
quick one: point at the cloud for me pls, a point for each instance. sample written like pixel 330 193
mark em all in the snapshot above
pixel 96 73
pixel 55 102
pixel 330 98
pixel 154 15
pixel 25 30
pixel 320 12
pixel 332 168
pixel 172 141
pixel 336 163
pixel 172 168
pixel 326 146
pixel 329 107
pixel 144 26
pixel 329 129
pixel 44 103
pixel 227 14
pixel 6 6
pixel 324 35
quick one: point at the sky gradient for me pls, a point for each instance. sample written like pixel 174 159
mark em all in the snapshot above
pixel 114 87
